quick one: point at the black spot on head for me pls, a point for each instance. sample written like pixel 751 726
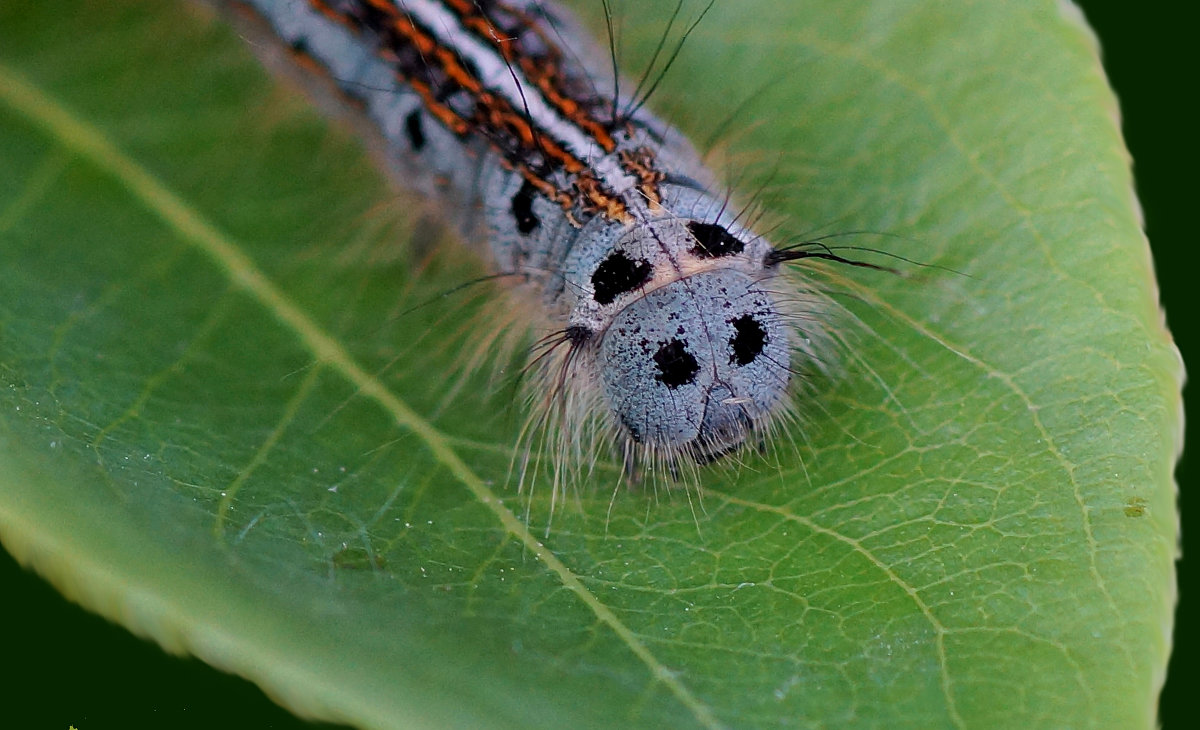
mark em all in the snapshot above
pixel 522 208
pixel 414 130
pixel 713 241
pixel 748 340
pixel 618 274
pixel 676 366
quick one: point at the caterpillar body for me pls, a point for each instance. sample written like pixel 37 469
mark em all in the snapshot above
pixel 674 336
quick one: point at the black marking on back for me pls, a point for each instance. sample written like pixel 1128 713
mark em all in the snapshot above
pixel 618 274
pixel 522 208
pixel 713 241
pixel 676 366
pixel 748 340
pixel 414 130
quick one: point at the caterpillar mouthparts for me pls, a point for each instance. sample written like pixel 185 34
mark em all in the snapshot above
pixel 692 351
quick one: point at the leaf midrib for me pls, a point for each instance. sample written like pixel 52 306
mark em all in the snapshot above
pixel 90 144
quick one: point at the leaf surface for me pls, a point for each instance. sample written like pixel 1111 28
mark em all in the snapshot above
pixel 225 427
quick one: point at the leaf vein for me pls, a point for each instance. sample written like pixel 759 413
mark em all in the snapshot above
pixel 90 144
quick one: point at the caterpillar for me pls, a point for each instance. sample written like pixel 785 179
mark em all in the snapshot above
pixel 674 335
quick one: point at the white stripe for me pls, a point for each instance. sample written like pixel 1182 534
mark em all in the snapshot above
pixel 496 74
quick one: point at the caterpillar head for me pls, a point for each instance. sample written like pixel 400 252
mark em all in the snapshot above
pixel 693 367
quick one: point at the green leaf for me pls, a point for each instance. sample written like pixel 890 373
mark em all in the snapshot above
pixel 223 427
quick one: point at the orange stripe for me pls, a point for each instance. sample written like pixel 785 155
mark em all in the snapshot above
pixel 495 112
pixel 546 73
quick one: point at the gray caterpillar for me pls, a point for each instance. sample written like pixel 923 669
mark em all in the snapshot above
pixel 670 339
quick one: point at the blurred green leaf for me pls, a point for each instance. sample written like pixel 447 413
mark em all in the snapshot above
pixel 220 430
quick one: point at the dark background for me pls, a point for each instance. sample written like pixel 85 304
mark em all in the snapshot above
pixel 67 666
